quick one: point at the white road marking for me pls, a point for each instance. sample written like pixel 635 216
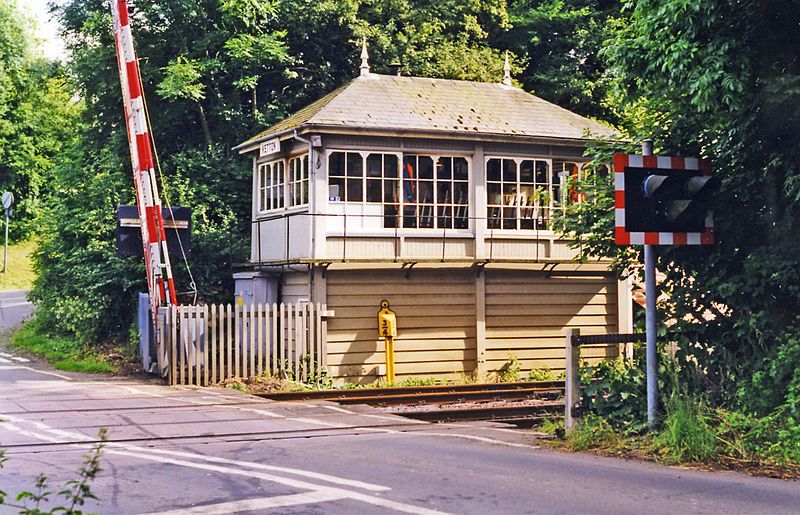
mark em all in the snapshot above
pixel 15 304
pixel 21 360
pixel 34 370
pixel 148 454
pixel 73 436
pixel 5 354
pixel 263 503
pixel 4 360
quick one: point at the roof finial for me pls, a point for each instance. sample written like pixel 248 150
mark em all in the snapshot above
pixel 364 58
pixel 507 71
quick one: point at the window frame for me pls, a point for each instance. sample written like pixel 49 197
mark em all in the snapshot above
pixel 553 204
pixel 285 186
pixel 401 203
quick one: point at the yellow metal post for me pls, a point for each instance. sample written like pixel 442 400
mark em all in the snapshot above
pixel 390 359
pixel 387 328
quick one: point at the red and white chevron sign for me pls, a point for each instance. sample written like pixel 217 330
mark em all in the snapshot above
pixel 654 164
pixel 154 238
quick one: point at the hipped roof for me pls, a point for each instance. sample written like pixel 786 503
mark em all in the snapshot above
pixel 392 102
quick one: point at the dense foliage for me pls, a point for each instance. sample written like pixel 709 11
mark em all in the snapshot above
pixel 722 80
pixel 36 117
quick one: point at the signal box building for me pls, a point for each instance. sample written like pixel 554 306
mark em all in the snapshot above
pixel 438 196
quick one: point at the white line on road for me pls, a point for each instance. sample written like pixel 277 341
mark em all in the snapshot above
pixel 15 367
pixel 148 454
pixel 263 503
pixel 16 305
pixel 20 360
pixel 4 360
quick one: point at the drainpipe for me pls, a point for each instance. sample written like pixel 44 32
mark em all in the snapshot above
pixel 312 205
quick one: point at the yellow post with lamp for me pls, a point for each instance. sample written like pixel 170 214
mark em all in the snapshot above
pixel 387 328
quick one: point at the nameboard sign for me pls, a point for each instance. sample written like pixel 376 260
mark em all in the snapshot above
pixel 270 147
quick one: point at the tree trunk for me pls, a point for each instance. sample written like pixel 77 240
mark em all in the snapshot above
pixel 204 123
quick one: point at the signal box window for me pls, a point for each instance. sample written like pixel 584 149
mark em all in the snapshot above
pixel 520 193
pixel 419 191
pixel 271 180
pixel 298 181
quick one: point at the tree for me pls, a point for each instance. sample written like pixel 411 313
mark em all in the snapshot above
pixel 36 116
pixel 722 80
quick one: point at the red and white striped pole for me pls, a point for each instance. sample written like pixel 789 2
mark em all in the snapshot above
pixel 159 272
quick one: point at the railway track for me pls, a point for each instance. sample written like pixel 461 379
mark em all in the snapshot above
pixel 521 403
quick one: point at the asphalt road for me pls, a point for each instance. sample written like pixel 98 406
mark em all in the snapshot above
pixel 188 450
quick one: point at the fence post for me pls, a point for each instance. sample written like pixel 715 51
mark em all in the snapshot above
pixel 572 382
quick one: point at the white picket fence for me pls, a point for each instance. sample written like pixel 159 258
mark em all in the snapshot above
pixel 205 345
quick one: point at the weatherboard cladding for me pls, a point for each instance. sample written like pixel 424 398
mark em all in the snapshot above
pixel 422 104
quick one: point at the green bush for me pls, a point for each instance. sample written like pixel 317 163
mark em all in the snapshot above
pixel 617 392
pixel 687 434
pixel 541 374
pixel 593 432
pixel 510 371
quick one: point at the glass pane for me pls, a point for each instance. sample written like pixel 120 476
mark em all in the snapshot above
pixel 493 170
pixel 355 190
pixel 461 216
pixel 461 193
pixel 493 193
pixel 335 189
pixel 425 192
pixel 444 168
pixel 336 164
pixel 389 165
pixel 460 169
pixel 374 190
pixel 425 167
pixel 390 193
pixel 304 192
pixel 425 215
pixel 444 217
pixel 409 180
pixel 526 171
pixel 305 166
pixel 390 218
pixel 409 216
pixel 541 172
pixel 509 218
pixel 509 170
pixel 374 165
pixel 443 193
pixel 355 165
pixel 493 217
pixel 509 191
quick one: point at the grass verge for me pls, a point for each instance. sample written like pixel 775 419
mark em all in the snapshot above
pixel 19 274
pixel 61 352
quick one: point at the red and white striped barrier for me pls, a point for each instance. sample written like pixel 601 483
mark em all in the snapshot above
pixel 154 238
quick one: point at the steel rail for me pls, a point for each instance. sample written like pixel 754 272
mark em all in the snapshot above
pixel 337 395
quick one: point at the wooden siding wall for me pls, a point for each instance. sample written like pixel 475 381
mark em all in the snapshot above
pixel 296 287
pixel 435 319
pixel 526 315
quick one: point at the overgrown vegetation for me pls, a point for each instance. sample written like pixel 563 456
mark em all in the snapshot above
pixel 63 352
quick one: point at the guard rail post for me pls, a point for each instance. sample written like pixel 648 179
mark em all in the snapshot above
pixel 572 381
